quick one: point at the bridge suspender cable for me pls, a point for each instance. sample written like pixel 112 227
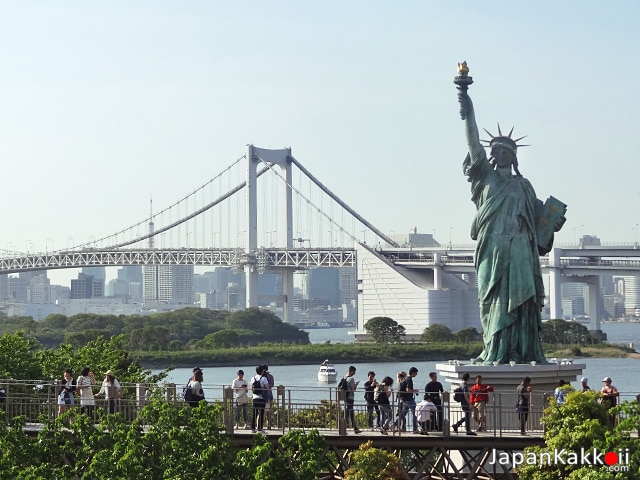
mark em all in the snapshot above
pixel 342 204
pixel 189 217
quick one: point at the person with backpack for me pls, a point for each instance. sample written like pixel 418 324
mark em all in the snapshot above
pixel 369 388
pixel 382 393
pixel 268 395
pixel 407 393
pixel 196 394
pixel 259 385
pixel 349 385
pixel 465 402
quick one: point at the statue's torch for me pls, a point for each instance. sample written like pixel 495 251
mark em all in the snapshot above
pixel 463 80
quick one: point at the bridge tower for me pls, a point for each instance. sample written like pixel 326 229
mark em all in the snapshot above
pixel 281 158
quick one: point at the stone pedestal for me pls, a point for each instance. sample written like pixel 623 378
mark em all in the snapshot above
pixel 505 378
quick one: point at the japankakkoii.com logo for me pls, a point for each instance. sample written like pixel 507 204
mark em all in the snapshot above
pixel 614 461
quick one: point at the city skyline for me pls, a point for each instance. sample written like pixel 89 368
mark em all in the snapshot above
pixel 97 121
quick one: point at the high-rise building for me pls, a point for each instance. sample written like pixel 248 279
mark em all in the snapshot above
pixel 323 284
pixel 347 285
pixel 4 287
pixel 168 284
pixel 99 273
pixel 632 295
pixel 87 286
pixel 18 288
pixel 40 289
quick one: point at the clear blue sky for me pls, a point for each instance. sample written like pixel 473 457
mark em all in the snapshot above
pixel 99 102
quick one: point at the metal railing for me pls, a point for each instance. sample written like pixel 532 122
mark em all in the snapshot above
pixel 37 402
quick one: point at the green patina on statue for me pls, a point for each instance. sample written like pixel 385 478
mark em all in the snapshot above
pixel 512 228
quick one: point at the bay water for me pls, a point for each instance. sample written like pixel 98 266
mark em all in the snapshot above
pixel 303 385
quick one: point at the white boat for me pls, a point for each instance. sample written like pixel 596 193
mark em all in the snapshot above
pixel 327 372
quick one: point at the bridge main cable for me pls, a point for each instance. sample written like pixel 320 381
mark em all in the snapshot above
pixel 189 217
pixel 343 204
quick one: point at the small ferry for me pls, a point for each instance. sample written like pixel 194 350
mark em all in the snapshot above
pixel 327 372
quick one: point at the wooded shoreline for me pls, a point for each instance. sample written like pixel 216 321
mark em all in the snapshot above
pixel 291 354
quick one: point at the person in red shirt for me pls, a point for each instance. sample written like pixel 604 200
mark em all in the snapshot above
pixel 479 397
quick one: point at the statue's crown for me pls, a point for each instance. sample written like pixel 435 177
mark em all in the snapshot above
pixel 503 141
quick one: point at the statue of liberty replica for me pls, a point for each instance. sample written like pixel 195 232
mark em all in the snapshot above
pixel 512 229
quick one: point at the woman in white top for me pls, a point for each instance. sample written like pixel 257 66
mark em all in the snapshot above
pixel 240 391
pixel 110 389
pixel 84 387
pixel 65 393
pixel 196 388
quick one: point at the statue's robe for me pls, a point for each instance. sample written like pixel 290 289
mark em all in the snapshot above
pixel 510 288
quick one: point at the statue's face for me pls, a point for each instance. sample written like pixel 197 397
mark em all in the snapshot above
pixel 503 156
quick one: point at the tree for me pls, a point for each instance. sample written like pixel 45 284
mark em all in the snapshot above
pixel 563 332
pixel 581 423
pixel 19 357
pixel 384 330
pixel 437 333
pixel 298 456
pixel 467 335
pixel 161 442
pixel 369 463
pixel 222 339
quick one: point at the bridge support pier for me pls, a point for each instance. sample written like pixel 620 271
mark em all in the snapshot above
pixel 282 159
pixel 555 283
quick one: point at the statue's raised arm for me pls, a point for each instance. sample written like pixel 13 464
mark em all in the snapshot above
pixel 463 80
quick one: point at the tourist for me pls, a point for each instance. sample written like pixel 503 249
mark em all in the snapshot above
pixel 523 403
pixel 479 398
pixel 84 386
pixel 610 396
pixel 398 422
pixel 407 392
pixel 434 389
pixel 268 395
pixel 584 384
pixel 240 393
pixel 65 392
pixel 561 391
pixel 466 407
pixel 259 384
pixel 349 398
pixel 111 390
pixel 424 411
pixel 382 393
pixel 369 396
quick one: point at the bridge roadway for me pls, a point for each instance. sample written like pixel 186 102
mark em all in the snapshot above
pixel 623 260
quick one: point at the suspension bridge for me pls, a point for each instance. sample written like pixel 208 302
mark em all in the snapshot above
pixel 266 212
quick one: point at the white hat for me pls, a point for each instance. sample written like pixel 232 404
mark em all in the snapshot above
pixel 584 380
pixel 606 379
